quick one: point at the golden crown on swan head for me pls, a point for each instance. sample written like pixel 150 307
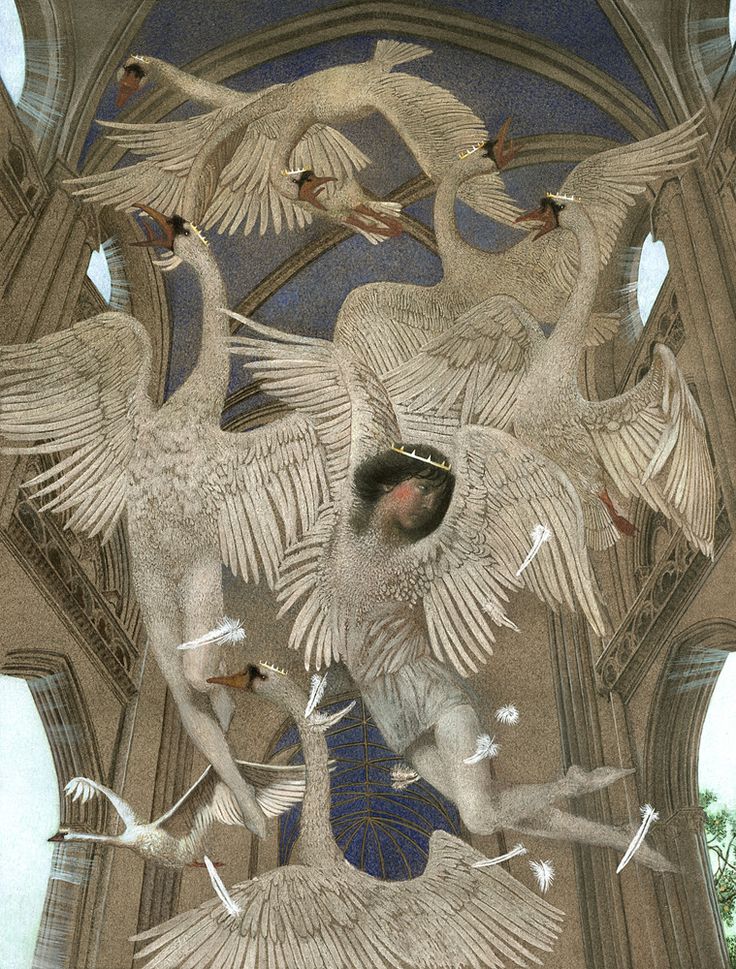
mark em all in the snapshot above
pixel 562 198
pixel 274 669
pixel 294 171
pixel 442 465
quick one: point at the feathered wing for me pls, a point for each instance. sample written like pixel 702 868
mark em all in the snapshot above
pixel 478 917
pixel 270 485
pixel 294 916
pixel 652 442
pixel 466 567
pixel 291 917
pixel 471 373
pixel 81 393
pixel 341 398
pixel 609 183
pixel 209 800
pixel 436 127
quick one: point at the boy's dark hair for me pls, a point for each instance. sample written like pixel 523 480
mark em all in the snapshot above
pixel 388 469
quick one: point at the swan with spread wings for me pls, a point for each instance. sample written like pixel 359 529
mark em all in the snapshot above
pixel 496 366
pixel 189 492
pixel 235 166
pixel 387 323
pixel 408 568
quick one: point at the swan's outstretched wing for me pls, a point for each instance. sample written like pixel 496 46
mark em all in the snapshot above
pixel 345 402
pixel 245 195
pixel 291 917
pixel 82 393
pixel 477 917
pixel 609 183
pixel 471 373
pixel 653 444
pixel 234 179
pixel 436 127
pixel 269 485
pixel 208 799
pixel 504 492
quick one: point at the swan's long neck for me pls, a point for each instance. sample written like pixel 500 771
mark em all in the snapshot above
pixel 206 386
pixel 317 844
pixel 452 247
pixel 190 87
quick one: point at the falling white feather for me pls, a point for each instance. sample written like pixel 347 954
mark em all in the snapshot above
pixel 323 721
pixel 648 817
pixel 226 633
pixel 486 747
pixel 507 714
pixel 544 872
pixel 540 535
pixel 318 688
pixel 222 893
pixel 515 852
pixel 402 776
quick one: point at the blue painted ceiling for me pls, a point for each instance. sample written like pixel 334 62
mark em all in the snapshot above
pixel 182 30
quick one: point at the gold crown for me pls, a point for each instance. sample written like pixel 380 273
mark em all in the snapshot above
pixel 274 669
pixel 199 233
pixel 442 465
pixel 563 198
pixel 471 149
pixel 293 171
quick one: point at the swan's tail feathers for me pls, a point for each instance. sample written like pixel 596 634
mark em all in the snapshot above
pixel 226 633
pixel 648 817
pixel 222 893
pixel 391 53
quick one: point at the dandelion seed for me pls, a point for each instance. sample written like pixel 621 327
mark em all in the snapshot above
pixel 507 714
pixel 486 747
pixel 514 853
pixel 648 817
pixel 540 535
pixel 318 688
pixel 227 632
pixel 544 872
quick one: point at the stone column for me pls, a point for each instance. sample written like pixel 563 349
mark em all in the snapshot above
pixel 693 936
pixel 701 260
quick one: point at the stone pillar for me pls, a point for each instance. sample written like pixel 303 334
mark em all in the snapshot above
pixel 693 935
pixel 701 262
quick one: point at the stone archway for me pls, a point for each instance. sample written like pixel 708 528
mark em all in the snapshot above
pixel 686 899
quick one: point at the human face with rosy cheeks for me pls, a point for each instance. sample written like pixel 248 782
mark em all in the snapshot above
pixel 406 509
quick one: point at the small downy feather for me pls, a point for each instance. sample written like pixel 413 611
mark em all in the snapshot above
pixel 648 817
pixel 226 633
pixel 222 893
pixel 402 776
pixel 486 747
pixel 540 535
pixel 317 692
pixel 514 853
pixel 544 872
pixel 507 714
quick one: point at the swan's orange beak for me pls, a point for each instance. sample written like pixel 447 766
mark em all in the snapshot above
pixel 166 241
pixel 59 836
pixel 129 83
pixel 237 681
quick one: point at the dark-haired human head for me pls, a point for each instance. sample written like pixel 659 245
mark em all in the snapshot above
pixel 379 475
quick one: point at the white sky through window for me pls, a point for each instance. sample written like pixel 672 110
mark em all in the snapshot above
pixel 12 50
pixel 29 808
pixel 653 269
pixel 99 272
pixel 717 760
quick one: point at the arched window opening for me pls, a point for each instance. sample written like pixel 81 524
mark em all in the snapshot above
pixel 29 807
pixel 12 50
pixel 383 831
pixel 106 270
pixel 650 276
pixel 717 783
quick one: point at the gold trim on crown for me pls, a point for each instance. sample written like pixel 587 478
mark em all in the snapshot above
pixel 563 198
pixel 294 171
pixel 466 152
pixel 274 669
pixel 442 465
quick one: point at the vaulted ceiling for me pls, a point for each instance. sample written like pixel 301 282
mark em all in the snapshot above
pixel 560 70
